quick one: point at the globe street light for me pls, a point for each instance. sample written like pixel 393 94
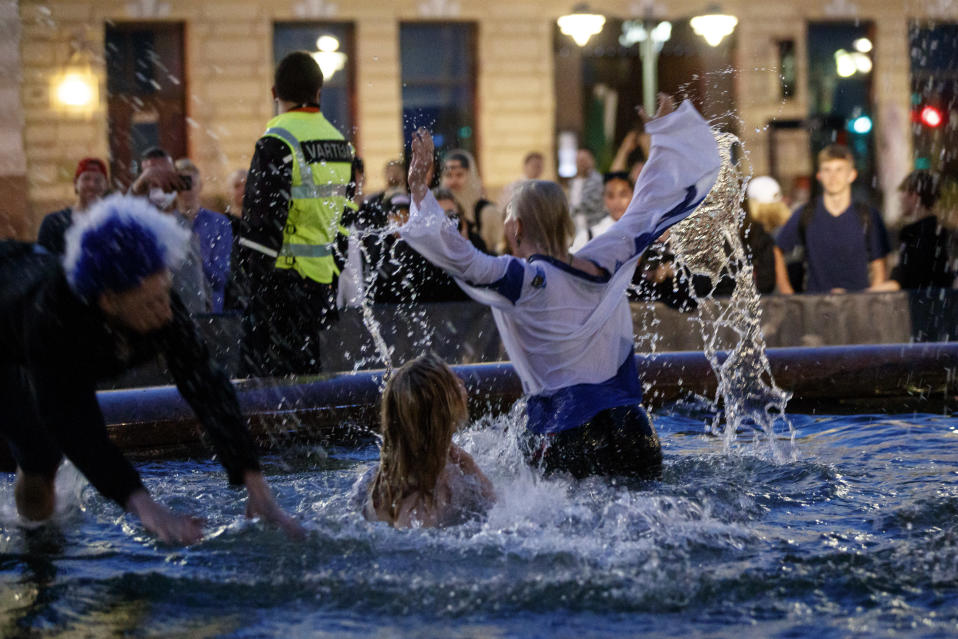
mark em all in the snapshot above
pixel 713 25
pixel 581 24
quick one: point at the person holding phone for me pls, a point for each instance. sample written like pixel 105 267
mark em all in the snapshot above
pixel 212 229
pixel 160 183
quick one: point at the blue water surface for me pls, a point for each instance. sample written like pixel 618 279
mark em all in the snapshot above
pixel 850 530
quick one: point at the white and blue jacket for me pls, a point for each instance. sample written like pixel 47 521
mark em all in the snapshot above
pixel 569 334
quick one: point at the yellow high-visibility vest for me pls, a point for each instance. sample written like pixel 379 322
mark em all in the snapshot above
pixel 321 172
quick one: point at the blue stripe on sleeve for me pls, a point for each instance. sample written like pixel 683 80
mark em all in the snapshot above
pixel 681 210
pixel 510 284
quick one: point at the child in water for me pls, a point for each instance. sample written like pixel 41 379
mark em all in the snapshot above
pixel 422 478
pixel 564 317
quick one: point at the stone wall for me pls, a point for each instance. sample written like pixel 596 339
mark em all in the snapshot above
pixel 13 166
pixel 228 51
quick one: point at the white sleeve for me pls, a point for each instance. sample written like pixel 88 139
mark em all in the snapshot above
pixel 494 280
pixel 683 165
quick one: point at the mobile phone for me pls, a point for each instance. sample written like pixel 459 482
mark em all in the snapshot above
pixel 185 183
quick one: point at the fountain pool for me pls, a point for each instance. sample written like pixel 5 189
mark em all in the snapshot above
pixel 850 530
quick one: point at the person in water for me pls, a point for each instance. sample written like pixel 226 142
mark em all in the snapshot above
pixel 106 308
pixel 564 318
pixel 423 479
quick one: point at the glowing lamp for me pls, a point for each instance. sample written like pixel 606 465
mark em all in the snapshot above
pixel 714 25
pixel 845 64
pixel 75 90
pixel 863 45
pixel 581 24
pixel 329 59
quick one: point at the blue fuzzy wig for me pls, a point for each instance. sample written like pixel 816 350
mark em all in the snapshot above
pixel 118 243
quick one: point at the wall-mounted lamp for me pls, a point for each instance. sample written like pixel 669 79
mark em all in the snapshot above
pixel 328 57
pixel 581 24
pixel 76 89
pixel 713 25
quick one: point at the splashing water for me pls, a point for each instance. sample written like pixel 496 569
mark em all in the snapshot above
pixel 708 244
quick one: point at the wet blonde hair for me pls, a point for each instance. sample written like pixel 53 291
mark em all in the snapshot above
pixel 422 406
pixel 543 209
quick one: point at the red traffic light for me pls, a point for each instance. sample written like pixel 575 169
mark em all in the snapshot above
pixel 930 116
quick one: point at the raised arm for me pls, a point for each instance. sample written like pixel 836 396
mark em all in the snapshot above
pixel 682 168
pixel 491 280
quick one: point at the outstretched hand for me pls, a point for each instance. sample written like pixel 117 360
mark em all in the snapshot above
pixel 167 526
pixel 420 167
pixel 666 106
pixel 261 503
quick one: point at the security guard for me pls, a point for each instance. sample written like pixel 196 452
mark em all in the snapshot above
pixel 298 186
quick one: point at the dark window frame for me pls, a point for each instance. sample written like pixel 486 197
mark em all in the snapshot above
pixel 451 82
pixel 347 45
pixel 164 89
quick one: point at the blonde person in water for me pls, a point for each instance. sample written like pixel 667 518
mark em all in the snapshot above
pixel 423 479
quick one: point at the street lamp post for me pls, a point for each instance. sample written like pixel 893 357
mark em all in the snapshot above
pixel 651 37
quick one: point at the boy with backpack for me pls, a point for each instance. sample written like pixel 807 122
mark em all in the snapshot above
pixel 844 242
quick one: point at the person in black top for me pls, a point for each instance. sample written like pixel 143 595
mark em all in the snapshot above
pixel 90 183
pixel 108 307
pixel 923 254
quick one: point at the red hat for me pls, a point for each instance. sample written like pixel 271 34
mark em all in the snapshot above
pixel 95 165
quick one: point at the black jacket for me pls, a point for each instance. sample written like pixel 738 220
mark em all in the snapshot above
pixel 67 346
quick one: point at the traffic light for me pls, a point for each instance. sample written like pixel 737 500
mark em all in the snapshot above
pixel 860 125
pixel 930 116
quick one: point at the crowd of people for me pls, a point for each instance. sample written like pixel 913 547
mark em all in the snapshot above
pixel 299 240
pixel 795 244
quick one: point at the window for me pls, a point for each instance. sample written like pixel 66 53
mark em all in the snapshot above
pixel 146 90
pixel 840 95
pixel 332 46
pixel 439 82
pixel 934 96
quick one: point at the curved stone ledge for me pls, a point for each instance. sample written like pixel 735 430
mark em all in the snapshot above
pixel 343 408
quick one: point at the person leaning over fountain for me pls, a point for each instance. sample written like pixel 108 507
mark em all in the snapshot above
pixel 106 309
pixel 564 318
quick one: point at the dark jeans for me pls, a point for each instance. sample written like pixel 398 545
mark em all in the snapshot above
pixel 32 447
pixel 283 320
pixel 617 441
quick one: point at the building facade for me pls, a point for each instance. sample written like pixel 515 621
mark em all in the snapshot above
pixel 217 86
